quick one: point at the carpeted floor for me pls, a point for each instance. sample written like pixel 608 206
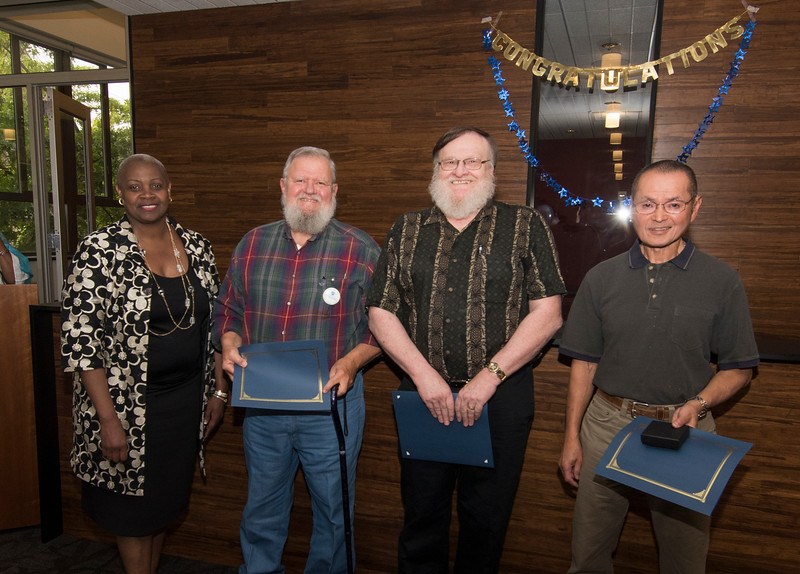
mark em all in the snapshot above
pixel 22 552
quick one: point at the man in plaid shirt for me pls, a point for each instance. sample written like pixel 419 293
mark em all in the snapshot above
pixel 304 277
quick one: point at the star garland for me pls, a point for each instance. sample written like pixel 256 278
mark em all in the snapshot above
pixel 716 101
pixel 569 198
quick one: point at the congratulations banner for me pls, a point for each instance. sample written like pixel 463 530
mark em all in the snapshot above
pixel 612 79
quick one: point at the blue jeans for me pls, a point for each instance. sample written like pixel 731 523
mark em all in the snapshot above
pixel 274 446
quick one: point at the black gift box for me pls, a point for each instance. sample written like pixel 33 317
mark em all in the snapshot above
pixel 662 434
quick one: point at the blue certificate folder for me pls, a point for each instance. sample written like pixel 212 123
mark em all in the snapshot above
pixel 692 476
pixel 285 376
pixel 422 437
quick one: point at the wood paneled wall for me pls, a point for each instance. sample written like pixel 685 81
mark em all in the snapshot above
pixel 222 96
pixel 747 164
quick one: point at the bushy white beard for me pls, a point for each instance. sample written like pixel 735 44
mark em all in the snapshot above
pixel 309 223
pixel 470 204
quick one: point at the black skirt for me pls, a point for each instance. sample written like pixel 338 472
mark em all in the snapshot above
pixel 172 423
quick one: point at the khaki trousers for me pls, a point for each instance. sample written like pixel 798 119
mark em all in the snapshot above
pixel 601 507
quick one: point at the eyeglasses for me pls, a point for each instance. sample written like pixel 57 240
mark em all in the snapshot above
pixel 471 163
pixel 673 207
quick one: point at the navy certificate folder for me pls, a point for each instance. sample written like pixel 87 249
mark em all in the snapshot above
pixel 422 437
pixel 692 476
pixel 284 376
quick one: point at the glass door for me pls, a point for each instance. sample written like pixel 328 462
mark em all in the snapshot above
pixel 62 183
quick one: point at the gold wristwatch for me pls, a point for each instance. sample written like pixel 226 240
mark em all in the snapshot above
pixel 493 367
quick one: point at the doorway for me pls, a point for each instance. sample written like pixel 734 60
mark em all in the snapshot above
pixel 63 202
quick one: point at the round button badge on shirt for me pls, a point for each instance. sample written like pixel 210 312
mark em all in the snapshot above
pixel 331 296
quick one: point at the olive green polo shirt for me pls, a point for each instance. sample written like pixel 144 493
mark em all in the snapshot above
pixel 654 330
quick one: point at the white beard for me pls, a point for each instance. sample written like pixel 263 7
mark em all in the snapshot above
pixel 309 223
pixel 462 208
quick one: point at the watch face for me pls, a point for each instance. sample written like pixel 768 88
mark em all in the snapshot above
pixel 495 368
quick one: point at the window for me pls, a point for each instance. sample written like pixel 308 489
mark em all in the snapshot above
pixel 112 139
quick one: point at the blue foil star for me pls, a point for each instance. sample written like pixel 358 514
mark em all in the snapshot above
pixel 487 39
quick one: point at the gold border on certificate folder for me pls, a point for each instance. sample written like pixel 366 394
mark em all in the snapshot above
pixel 701 495
pixel 318 398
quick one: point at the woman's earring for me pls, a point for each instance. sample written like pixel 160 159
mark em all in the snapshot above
pixel 119 200
pixel 170 198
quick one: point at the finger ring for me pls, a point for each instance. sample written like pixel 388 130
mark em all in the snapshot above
pixel 472 408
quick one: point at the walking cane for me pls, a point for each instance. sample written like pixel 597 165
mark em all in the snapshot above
pixel 337 424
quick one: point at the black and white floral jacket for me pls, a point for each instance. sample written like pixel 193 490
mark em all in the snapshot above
pixel 105 315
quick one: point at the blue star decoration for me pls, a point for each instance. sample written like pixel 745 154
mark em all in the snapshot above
pixel 717 101
pixel 686 151
pixel 487 39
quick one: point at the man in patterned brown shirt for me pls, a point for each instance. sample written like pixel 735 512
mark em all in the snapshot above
pixel 464 296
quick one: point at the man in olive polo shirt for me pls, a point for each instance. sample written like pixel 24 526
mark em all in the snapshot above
pixel 464 296
pixel 642 330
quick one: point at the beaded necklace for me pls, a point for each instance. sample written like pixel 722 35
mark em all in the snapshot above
pixel 188 291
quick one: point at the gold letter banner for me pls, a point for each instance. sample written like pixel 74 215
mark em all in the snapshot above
pixel 612 79
pixel 539 63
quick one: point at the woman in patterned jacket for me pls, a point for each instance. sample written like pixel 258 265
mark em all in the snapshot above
pixel 135 332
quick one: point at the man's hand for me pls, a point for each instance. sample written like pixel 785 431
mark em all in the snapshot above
pixel 343 373
pixel 474 396
pixel 686 414
pixel 438 397
pixel 571 461
pixel 230 352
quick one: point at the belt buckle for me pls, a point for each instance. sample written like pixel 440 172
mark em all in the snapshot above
pixel 458 383
pixel 634 404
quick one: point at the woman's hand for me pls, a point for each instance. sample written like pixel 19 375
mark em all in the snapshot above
pixel 113 441
pixel 213 415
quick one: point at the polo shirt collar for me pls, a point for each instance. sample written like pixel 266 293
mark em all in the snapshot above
pixel 637 260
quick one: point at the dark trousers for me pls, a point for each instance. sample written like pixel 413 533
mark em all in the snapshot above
pixel 485 497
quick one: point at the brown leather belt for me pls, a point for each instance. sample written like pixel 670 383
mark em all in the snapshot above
pixel 635 408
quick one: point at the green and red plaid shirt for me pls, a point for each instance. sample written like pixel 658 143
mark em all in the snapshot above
pixel 273 291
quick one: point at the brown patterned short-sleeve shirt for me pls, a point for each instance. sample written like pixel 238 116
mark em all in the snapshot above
pixel 461 295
